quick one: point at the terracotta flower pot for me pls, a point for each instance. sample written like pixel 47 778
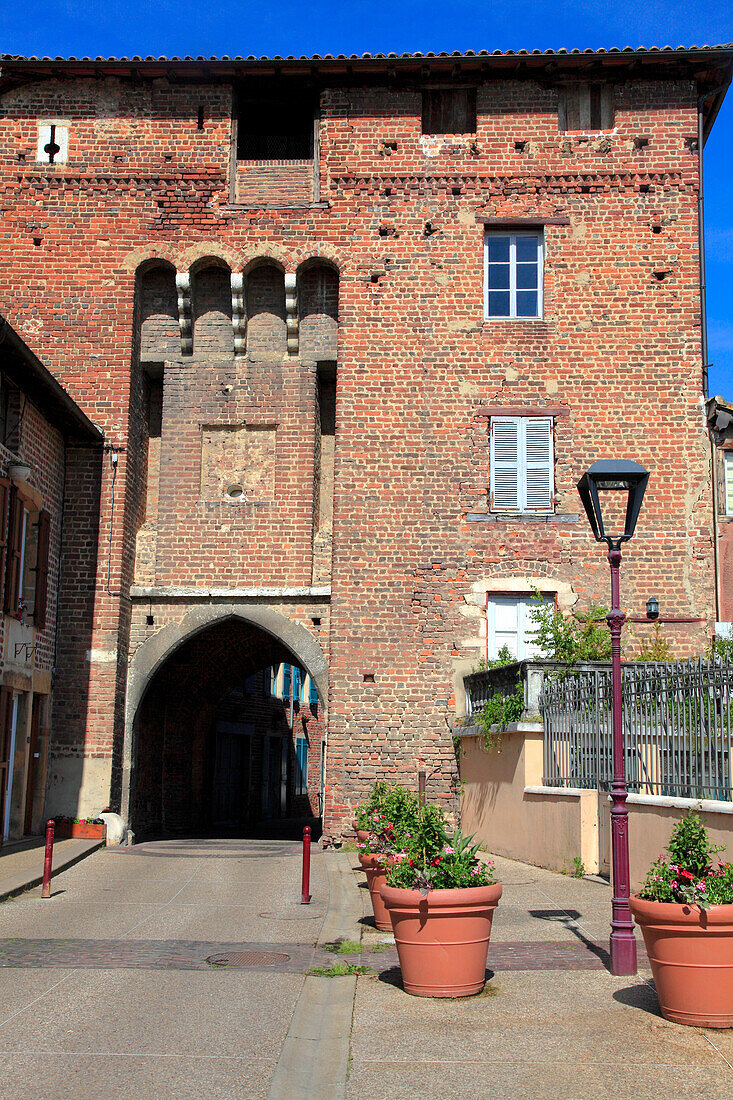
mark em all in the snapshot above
pixel 442 938
pixel 691 956
pixel 80 830
pixel 361 834
pixel 375 874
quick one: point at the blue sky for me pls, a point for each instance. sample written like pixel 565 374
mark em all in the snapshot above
pixel 115 27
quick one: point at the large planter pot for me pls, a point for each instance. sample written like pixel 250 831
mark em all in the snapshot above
pixel 442 938
pixel 79 830
pixel 691 955
pixel 361 834
pixel 375 875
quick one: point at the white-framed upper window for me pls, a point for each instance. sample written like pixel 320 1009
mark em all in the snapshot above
pixel 521 472
pixel 513 274
pixel 509 622
pixel 728 472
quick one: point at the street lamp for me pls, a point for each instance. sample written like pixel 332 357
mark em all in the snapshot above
pixel 612 491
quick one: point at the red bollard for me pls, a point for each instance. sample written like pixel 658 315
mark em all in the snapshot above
pixel 305 896
pixel 47 861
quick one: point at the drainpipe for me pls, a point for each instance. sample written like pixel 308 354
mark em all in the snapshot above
pixel 701 101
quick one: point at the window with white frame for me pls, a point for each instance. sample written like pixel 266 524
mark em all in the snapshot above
pixel 510 623
pixel 513 274
pixel 728 470
pixel 521 474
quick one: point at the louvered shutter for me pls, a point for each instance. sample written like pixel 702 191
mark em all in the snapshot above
pixel 4 501
pixel 41 597
pixel 13 563
pixel 506 464
pixel 538 464
pixel 728 460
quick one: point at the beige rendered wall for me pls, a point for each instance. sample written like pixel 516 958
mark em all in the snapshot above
pixel 548 829
pixel 504 804
pixel 650 824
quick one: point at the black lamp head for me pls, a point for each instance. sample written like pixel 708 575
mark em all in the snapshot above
pixel 613 475
pixel 652 608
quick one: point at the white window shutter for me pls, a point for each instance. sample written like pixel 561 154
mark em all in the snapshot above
pixel 728 467
pixel 507 464
pixel 539 464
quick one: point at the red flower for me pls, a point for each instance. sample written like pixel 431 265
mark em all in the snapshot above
pixel 687 874
pixel 436 861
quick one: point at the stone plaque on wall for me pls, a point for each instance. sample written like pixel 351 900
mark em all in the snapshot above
pixel 238 463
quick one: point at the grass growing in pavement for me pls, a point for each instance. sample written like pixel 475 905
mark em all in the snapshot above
pixel 351 947
pixel 339 970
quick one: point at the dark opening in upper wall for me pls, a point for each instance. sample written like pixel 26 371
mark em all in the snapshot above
pixel 274 125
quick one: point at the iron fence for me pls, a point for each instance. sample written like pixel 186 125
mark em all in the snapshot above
pixel 677 728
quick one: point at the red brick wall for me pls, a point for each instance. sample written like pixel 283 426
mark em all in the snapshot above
pixel 618 345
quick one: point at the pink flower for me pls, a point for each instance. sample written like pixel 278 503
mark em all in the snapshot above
pixel 449 851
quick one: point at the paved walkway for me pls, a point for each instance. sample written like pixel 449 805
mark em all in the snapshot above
pixel 21 861
pixel 180 969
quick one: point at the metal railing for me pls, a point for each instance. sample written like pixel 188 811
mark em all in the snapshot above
pixel 678 736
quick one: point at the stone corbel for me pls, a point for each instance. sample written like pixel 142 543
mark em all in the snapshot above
pixel 291 313
pixel 239 314
pixel 183 287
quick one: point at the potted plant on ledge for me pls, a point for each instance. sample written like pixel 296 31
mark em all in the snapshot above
pixel 441 899
pixel 685 911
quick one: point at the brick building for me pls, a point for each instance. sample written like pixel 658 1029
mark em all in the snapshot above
pixel 353 328
pixel 48 452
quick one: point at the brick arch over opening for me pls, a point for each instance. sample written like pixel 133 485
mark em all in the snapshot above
pixel 151 656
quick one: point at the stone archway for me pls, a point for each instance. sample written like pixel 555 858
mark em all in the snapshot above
pixel 153 655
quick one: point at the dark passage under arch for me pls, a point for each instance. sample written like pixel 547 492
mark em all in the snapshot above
pixel 228 738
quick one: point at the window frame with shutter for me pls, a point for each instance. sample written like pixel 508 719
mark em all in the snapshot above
pixel 40 600
pixel 14 552
pixel 585 107
pixel 728 482
pixel 448 111
pixel 496 633
pixel 512 488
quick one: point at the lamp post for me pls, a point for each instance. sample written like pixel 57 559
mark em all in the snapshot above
pixel 616 476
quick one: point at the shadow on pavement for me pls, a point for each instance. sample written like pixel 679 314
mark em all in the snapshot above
pixel 568 918
pixel 642 996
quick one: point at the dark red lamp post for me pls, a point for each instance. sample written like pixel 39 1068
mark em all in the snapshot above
pixel 601 487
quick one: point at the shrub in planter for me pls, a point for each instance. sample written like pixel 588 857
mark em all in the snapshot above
pixel 390 814
pixel 80 828
pixel 441 900
pixel 685 912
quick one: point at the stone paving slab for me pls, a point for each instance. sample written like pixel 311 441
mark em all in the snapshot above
pixel 21 865
pixel 48 1075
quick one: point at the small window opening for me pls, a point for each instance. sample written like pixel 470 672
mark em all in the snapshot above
pixel 449 111
pixel 200 119
pixel 235 492
pixel 275 126
pixel 585 107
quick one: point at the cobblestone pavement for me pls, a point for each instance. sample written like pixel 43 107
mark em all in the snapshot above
pixel 294 958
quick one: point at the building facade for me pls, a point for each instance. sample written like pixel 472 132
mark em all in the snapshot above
pixel 353 329
pixel 48 452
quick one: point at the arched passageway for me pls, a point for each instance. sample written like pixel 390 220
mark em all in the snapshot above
pixel 228 736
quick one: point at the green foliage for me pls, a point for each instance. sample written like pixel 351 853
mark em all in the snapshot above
pixel 499 712
pixel 339 970
pixel 503 657
pixel 721 648
pixel 387 803
pixel 687 875
pixel 578 867
pixel 572 639
pixel 656 648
